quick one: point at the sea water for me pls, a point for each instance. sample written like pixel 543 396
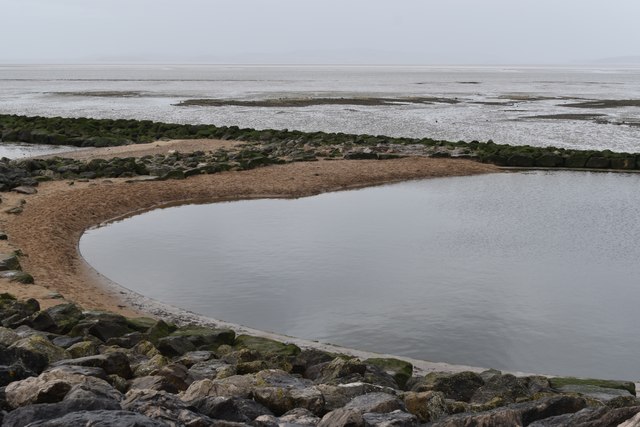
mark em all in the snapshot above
pixel 501 103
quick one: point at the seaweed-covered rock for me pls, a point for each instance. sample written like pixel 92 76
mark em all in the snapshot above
pixel 560 382
pixel 507 387
pixel 267 346
pixel 65 316
pixel 460 386
pixel 399 369
pixel 41 345
pixel 101 325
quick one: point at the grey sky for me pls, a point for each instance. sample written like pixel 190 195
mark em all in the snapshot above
pixel 318 31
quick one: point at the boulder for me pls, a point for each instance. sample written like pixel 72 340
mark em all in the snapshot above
pixel 164 406
pixel 341 371
pixel 8 336
pixel 40 345
pixel 517 414
pixel 173 346
pixel 299 417
pixel 400 370
pixel 176 374
pixel 25 189
pixel 103 418
pixel 65 341
pixel 309 357
pixel 507 387
pixel 460 386
pixel 81 370
pixel 9 262
pixel 342 418
pixel 112 363
pixel 520 160
pixel 624 163
pixel 337 396
pixel 375 402
pixel 201 336
pixel 18 276
pixel 597 162
pixel 32 361
pixel 234 386
pixel 191 358
pixel 127 340
pixel 153 382
pixel 592 417
pixel 101 325
pixel 549 160
pixel 83 349
pixel 283 399
pixel 49 387
pixel 48 411
pixel 426 406
pixel 267 347
pixel 150 366
pixel 560 382
pixel 392 419
pixel 230 408
pixel 66 316
pixel 212 369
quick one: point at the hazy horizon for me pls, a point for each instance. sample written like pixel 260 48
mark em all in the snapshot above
pixel 356 32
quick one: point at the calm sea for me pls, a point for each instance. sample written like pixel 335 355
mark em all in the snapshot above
pixel 498 103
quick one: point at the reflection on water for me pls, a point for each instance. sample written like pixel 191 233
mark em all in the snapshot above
pixel 534 272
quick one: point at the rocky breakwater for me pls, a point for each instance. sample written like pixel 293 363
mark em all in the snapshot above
pixel 65 366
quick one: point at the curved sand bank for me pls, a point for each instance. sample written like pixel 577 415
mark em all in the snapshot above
pixel 50 227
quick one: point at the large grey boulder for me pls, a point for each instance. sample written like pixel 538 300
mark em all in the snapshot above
pixel 375 402
pixel 41 345
pixel 592 417
pixel 101 419
pixel 396 418
pixel 342 418
pixel 49 387
pixel 164 406
pixel 48 411
pixel 517 414
pixel 230 408
pixel 115 363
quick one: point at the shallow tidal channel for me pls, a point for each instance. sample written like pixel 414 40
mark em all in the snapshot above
pixel 536 272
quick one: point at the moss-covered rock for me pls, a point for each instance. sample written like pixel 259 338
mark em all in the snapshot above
pixel 41 345
pixel 559 382
pixel 266 346
pixel 400 370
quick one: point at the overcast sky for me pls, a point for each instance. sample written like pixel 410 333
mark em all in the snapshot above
pixel 318 31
